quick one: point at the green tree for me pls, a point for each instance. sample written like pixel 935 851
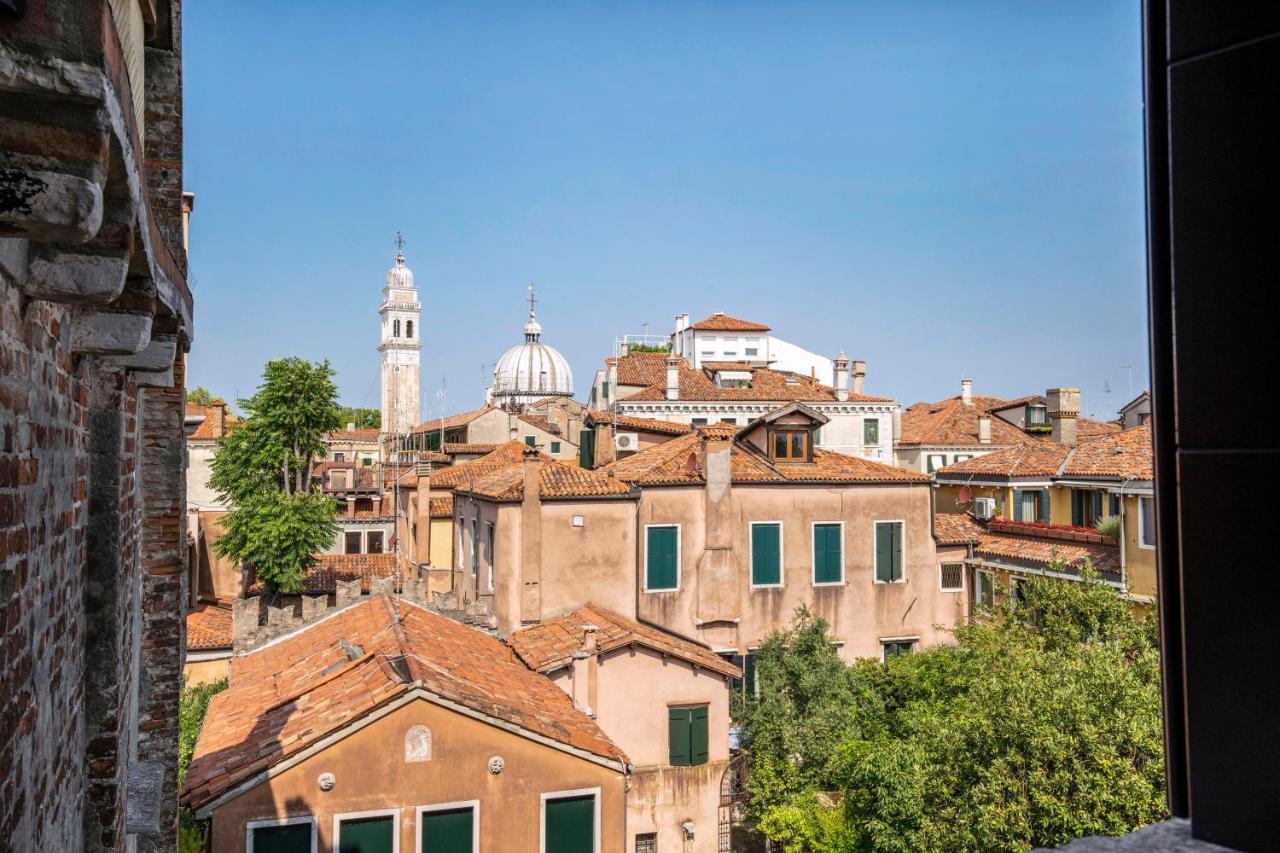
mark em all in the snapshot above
pixel 1039 725
pixel 362 418
pixel 200 396
pixel 193 704
pixel 262 469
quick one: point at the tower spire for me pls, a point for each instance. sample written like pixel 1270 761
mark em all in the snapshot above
pixel 533 302
pixel 399 248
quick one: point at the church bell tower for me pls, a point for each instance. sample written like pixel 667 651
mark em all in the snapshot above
pixel 400 348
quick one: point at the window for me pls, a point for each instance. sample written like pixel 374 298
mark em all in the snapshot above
pixel 687 736
pixel 555 447
pixel 828 553
pixel 530 441
pixel 751 352
pixel 1113 508
pixel 395 329
pixel 475 546
pixel 1086 507
pixel 449 828
pixel 791 445
pixel 1037 415
pixel 375 542
pixel 766 553
pixel 408 329
pixel 951 577
pixel 934 461
pixel 647 842
pixel 351 543
pixel 366 832
pixel 662 558
pixel 699 422
pixel 288 835
pixel 1031 505
pixel 893 648
pixel 888 551
pixel 339 457
pixel 1147 522
pixel 746 663
pixel 368 460
pixel 729 421
pixel 985 594
pixel 488 531
pixel 960 457
pixel 570 822
pixel 871 431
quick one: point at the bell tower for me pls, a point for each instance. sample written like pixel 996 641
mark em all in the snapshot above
pixel 400 347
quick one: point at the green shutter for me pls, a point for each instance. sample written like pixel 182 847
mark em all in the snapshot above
pixel 766 554
pixel 679 744
pixel 369 835
pixel 827 554
pixel 897 550
pixel 587 449
pixel 1018 513
pixel 661 571
pixel 291 838
pixel 1077 508
pixel 871 432
pixel 749 673
pixel 1042 499
pixel 698 735
pixel 884 551
pixel 448 831
pixel 570 825
pixel 555 447
pixel 530 440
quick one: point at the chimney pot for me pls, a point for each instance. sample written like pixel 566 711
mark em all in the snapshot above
pixel 859 375
pixel 966 391
pixel 984 429
pixel 673 378
pixel 1064 409
pixel 840 378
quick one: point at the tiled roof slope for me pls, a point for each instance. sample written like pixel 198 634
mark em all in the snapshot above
pixel 951 422
pixel 541 422
pixel 440 507
pixel 650 369
pixel 556 480
pixel 1105 558
pixel 1037 458
pixel 331 568
pixel 956 528
pixel 452 448
pixel 366 436
pixel 205 430
pixel 549 644
pixel 680 460
pixel 463 474
pixel 722 322
pixel 631 422
pixel 209 627
pixel 451 421
pixel 289 694
pixel 1123 455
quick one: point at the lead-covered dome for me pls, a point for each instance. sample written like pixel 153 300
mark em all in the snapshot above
pixel 532 370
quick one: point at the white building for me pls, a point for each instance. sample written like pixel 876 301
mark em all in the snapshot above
pixel 530 371
pixel 724 338
pixel 400 348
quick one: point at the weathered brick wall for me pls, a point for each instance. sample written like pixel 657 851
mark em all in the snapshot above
pixel 43 508
pixel 164 128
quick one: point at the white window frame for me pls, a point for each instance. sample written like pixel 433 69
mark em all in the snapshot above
pixel 929 456
pixel 751 556
pixel 679 556
pixel 977 588
pixel 250 826
pixel 557 795
pixel 875 549
pixel 885 641
pixel 419 811
pixel 959 563
pixel 813 562
pixel 394 814
pixel 1142 525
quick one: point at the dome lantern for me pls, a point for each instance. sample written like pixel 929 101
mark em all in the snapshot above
pixel 532 370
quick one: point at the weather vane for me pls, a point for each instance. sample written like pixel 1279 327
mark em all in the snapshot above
pixel 399 243
pixel 533 300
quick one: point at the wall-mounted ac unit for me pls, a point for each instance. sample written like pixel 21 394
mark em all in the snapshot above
pixel 626 441
pixel 984 508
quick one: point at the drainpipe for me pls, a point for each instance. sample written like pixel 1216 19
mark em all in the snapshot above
pixel 1124 550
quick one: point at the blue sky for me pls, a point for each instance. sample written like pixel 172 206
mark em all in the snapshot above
pixel 942 190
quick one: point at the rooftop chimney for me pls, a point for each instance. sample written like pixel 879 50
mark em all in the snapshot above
pixel 582 674
pixel 682 322
pixel 1064 408
pixel 612 381
pixel 218 411
pixel 966 391
pixel 859 375
pixel 840 380
pixel 897 424
pixel 673 377
pixel 351 425
pixel 623 349
pixel 984 429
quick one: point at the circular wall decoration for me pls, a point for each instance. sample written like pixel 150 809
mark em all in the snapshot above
pixel 497 764
pixel 326 781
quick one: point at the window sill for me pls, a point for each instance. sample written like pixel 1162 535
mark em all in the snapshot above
pixel 767 586
pixel 890 583
pixel 829 583
pixel 665 589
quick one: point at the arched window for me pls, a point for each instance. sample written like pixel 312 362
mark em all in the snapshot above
pixel 408 329
pixel 395 329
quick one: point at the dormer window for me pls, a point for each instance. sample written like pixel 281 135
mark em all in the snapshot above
pixel 791 445
pixel 1037 417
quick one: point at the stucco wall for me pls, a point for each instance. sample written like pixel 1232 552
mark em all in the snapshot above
pixel 206 671
pixel 1140 562
pixel 199 469
pixel 371 774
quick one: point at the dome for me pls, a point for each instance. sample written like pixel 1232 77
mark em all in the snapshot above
pixel 531 370
pixel 400 277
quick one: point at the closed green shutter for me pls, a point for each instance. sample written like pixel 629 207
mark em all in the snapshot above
pixel 827 554
pixel 661 571
pixel 1043 499
pixel 766 554
pixel 555 447
pixel 587 449
pixel 570 825
pixel 448 831
pixel 889 551
pixel 679 746
pixel 530 440
pixel 698 734
pixel 368 835
pixel 290 838
pixel 749 673
pixel 1019 511
pixel 1077 508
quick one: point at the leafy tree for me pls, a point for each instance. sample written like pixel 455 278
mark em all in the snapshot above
pixel 200 396
pixel 1039 725
pixel 193 704
pixel 362 418
pixel 263 468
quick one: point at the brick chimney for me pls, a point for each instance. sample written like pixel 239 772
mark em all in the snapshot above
pixel 531 538
pixel 613 382
pixel 583 674
pixel 966 391
pixel 422 539
pixel 984 429
pixel 673 377
pixel 897 424
pixel 1064 408
pixel 859 376
pixel 840 377
pixel 218 411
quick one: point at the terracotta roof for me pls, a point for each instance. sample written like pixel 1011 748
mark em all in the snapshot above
pixel 725 365
pixel 1042 551
pixel 205 431
pixel 639 424
pixel 296 691
pixel 1089 428
pixel 454 448
pixel 440 506
pixel 1120 455
pixel 956 528
pixel 366 436
pixel 556 480
pixel 331 568
pixel 462 474
pixel 541 422
pixel 549 644
pixel 680 460
pixel 209 627
pixel 722 322
pixel 451 421
pixel 437 457
pixel 650 370
pixel 1036 458
pixel 951 422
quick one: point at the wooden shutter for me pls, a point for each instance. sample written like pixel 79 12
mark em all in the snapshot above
pixel 896 534
pixel 587 449
pixel 1043 502
pixel 289 838
pixel 698 734
pixel 679 745
pixel 661 571
pixel 1017 505
pixel 448 831
pixel 367 835
pixel 570 825
pixel 766 556
pixel 827 556
pixel 1077 508
pixel 884 551
pixel 749 673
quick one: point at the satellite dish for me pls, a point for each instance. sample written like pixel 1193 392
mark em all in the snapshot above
pixel 966 495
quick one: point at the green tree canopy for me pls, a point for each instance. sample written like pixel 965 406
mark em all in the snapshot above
pixel 200 396
pixel 362 418
pixel 263 468
pixel 1039 725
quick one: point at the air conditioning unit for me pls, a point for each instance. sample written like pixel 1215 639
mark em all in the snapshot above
pixel 626 441
pixel 984 508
